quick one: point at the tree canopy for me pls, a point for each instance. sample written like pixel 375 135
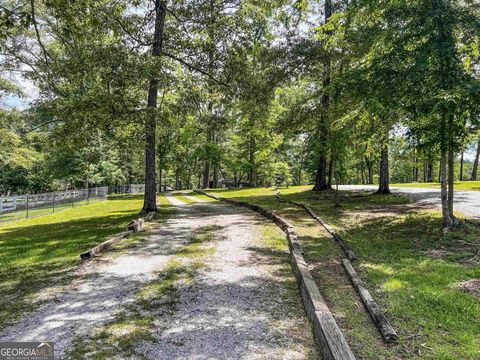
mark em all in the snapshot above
pixel 211 93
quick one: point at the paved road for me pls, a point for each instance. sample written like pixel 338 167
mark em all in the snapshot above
pixel 466 202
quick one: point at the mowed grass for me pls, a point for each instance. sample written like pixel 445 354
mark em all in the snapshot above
pixel 459 185
pixel 38 255
pixel 191 197
pixel 180 195
pixel 42 211
pixel 411 268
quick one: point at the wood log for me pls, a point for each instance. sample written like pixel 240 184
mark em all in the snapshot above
pixel 136 225
pixel 133 227
pixel 105 245
pixel 345 247
pixel 386 330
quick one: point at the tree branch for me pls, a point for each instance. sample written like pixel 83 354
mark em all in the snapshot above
pixel 194 68
pixel 34 21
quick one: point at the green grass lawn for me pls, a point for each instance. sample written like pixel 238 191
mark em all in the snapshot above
pixel 180 195
pixel 411 268
pixel 38 255
pixel 459 185
pixel 41 211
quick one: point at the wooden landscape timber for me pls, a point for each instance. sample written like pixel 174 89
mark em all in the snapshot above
pixel 329 336
pixel 135 226
pixel 346 248
pixel 386 330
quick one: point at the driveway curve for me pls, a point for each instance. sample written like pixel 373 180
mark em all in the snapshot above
pixel 466 202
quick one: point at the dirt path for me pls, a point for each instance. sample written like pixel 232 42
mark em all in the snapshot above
pixel 237 308
pixel 173 200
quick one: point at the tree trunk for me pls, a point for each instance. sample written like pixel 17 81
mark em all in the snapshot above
pixel 445 47
pixel 150 197
pixel 461 167
pixel 475 164
pixel 370 171
pixel 160 168
pixel 177 179
pixel 362 174
pixel 321 174
pixel 160 174
pixel 211 68
pixel 428 172
pixel 215 176
pixel 251 169
pixel 415 166
pixel 451 179
pixel 206 174
pixel 330 173
pixel 227 184
pixel 384 180
pixel 447 219
pixel 300 169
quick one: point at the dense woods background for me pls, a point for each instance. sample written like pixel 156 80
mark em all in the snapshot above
pixel 209 93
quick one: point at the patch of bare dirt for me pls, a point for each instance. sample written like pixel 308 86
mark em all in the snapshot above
pixel 472 287
pixel 437 253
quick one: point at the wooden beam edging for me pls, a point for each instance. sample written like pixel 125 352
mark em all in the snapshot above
pixel 384 327
pixel 105 245
pixel 329 336
pixel 386 330
pixel 133 227
pixel 345 247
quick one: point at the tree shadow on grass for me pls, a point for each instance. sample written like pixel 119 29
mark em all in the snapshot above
pixel 40 256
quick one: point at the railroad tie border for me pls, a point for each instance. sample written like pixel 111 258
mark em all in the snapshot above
pixel 329 336
pixel 133 227
pixel 379 319
pixel 381 322
pixel 345 247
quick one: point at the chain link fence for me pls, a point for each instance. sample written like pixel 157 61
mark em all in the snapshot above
pixel 19 207
pixel 128 189
pixel 135 189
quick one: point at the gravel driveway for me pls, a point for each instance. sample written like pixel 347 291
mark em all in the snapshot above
pixel 238 308
pixel 466 202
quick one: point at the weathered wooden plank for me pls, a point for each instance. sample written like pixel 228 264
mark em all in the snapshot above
pixel 133 227
pixel 384 327
pixel 105 245
pixel 136 225
pixel 345 247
